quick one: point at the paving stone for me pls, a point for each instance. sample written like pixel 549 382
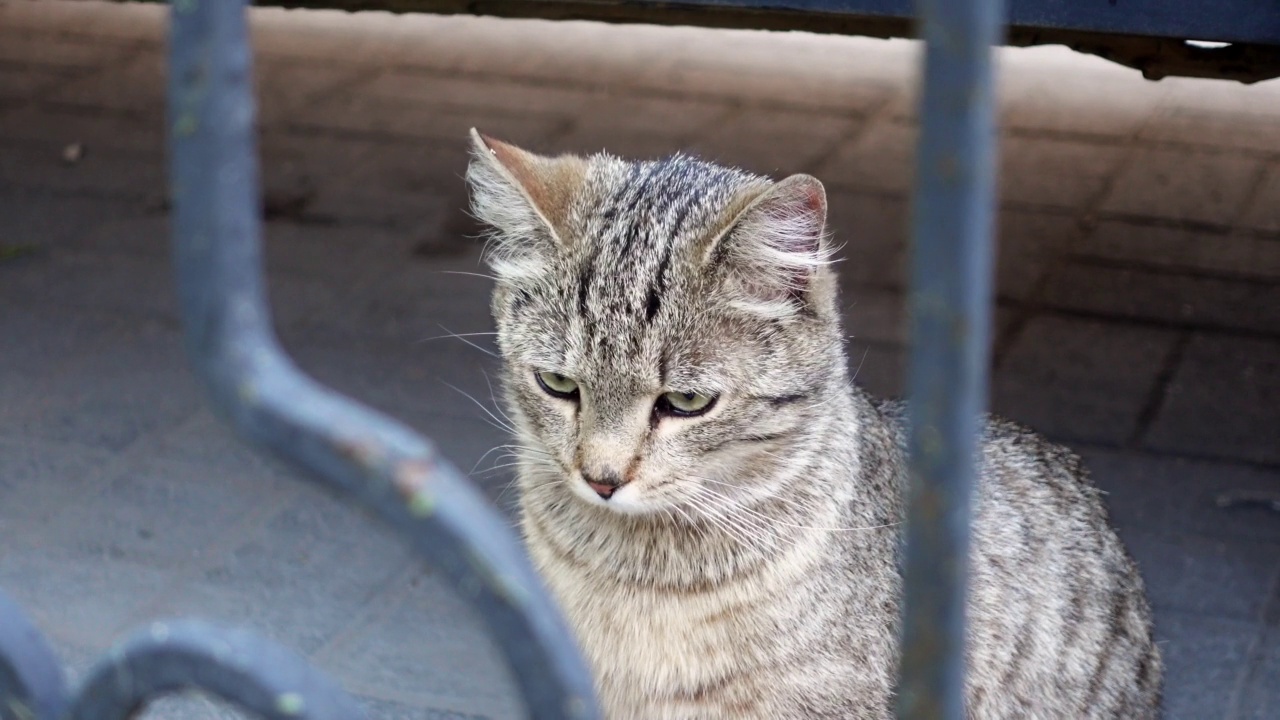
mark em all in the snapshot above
pixel 192 705
pixel 209 441
pixel 423 198
pixel 38 479
pixel 639 127
pixel 40 50
pixel 135 85
pixel 1205 125
pixel 878 367
pixel 591 53
pixel 1260 698
pixel 93 130
pixel 1173 495
pixel 163 515
pixel 1079 379
pixel 1212 577
pixel 105 172
pixel 421 119
pixel 427 649
pixel 1181 249
pixel 1261 98
pixel 1028 243
pixel 1165 297
pixel 449 90
pixel 130 385
pixel 29 218
pixel 875 315
pixel 879 158
pixel 340 254
pixel 389 710
pixel 871 232
pixel 1194 688
pixel 1053 172
pixel 136 286
pixel 1070 104
pixel 268 582
pixel 418 302
pixel 1198 415
pixel 93 23
pixel 1183 185
pixel 447 394
pixel 19 84
pixel 829 85
pixel 1263 212
pixel 776 142
pixel 86 599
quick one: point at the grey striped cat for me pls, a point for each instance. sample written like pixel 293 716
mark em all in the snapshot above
pixel 717 508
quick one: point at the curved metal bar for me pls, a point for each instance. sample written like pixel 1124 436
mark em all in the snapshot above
pixel 360 453
pixel 250 672
pixel 31 684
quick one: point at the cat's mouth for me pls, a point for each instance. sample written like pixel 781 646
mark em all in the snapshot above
pixel 612 493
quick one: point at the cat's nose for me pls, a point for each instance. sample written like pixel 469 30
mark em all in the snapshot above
pixel 604 484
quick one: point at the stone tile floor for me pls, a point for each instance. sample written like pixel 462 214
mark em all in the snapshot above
pixel 1138 314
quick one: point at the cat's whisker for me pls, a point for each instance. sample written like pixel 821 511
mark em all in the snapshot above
pixel 498 423
pixel 463 338
pixel 857 370
pixel 457 336
pixel 496 448
pixel 496 405
pixel 737 507
pixel 470 274
pixel 729 526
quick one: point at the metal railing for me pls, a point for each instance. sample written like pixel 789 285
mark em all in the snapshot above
pixel 399 476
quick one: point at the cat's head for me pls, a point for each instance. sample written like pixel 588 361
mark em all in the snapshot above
pixel 669 328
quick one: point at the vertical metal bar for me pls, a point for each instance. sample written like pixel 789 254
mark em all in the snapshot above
pixel 363 455
pixel 951 268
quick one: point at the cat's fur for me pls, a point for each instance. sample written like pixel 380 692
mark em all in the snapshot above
pixel 749 566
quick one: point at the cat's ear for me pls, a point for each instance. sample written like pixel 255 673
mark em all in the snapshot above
pixel 772 254
pixel 525 197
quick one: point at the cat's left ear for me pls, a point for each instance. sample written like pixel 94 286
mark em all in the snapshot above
pixel 774 250
pixel 525 197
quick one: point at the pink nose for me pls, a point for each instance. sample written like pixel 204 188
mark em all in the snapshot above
pixel 604 490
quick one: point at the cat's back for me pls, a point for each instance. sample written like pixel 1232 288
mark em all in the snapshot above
pixel 1059 622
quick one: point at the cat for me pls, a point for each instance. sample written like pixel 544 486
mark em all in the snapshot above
pixel 717 508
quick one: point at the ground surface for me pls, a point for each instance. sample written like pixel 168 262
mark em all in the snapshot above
pixel 1139 310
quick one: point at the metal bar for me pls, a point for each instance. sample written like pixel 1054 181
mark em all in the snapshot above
pixel 31 686
pixel 361 454
pixel 950 306
pixel 249 672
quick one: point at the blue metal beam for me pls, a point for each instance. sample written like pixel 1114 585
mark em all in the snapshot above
pixel 358 453
pixel 1256 21
pixel 950 307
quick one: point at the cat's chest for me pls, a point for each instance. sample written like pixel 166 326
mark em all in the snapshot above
pixel 653 643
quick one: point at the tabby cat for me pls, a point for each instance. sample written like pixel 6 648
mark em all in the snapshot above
pixel 717 508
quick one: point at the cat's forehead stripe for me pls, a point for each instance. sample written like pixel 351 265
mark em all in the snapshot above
pixel 637 232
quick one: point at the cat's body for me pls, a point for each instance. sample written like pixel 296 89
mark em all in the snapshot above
pixel 718 509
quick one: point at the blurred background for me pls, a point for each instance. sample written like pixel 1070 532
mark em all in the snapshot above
pixel 1138 313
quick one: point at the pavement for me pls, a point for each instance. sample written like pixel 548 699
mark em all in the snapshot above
pixel 1138 314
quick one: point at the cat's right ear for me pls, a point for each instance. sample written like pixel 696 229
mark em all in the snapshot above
pixel 525 198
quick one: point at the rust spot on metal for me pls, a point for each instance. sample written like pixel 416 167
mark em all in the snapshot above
pixel 363 453
pixel 411 479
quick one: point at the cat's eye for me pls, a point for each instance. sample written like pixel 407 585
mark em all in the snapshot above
pixel 685 404
pixel 557 385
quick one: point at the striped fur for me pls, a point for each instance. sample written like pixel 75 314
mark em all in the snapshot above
pixel 748 566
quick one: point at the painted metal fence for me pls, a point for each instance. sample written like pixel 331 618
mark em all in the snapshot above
pixel 399 476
